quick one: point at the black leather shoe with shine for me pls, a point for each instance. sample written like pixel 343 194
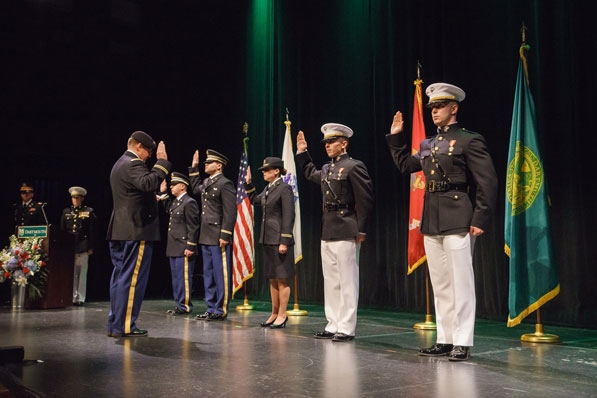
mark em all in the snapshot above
pixel 459 353
pixel 436 350
pixel 134 333
pixel 323 335
pixel 216 317
pixel 203 316
pixel 338 337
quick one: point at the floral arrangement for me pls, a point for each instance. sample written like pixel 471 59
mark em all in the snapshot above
pixel 23 261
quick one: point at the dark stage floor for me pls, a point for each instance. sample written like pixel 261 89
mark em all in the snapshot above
pixel 67 354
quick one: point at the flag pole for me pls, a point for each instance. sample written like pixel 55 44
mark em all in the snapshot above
pixel 428 324
pixel 416 198
pixel 296 311
pixel 539 336
pixel 245 306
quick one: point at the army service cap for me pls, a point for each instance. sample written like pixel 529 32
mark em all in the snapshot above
pixel 272 163
pixel 179 178
pixel 26 188
pixel 215 156
pixel 77 191
pixel 335 130
pixel 144 138
pixel 441 92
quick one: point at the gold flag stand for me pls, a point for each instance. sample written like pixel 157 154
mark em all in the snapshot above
pixel 245 306
pixel 428 324
pixel 539 336
pixel 296 311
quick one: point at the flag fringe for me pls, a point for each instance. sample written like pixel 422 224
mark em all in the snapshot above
pixel 416 264
pixel 533 307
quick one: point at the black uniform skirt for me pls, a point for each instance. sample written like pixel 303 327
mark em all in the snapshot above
pixel 276 265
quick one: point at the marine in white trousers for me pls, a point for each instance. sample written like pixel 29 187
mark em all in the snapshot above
pixel 450 262
pixel 80 277
pixel 340 265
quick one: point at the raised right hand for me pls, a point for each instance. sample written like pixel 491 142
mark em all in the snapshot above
pixel 397 124
pixel 160 152
pixel 248 177
pixel 301 143
pixel 195 161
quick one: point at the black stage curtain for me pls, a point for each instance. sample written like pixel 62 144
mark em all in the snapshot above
pixel 84 74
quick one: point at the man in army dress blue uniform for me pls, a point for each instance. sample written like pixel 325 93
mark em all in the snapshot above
pixel 183 232
pixel 218 215
pixel 28 212
pixel 134 227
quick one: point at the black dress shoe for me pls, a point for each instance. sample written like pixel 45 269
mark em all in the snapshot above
pixel 323 335
pixel 342 337
pixel 267 324
pixel 203 316
pixel 134 333
pixel 216 317
pixel 459 353
pixel 279 325
pixel 177 311
pixel 436 350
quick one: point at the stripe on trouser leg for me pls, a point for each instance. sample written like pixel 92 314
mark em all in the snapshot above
pixel 187 292
pixel 225 272
pixel 131 301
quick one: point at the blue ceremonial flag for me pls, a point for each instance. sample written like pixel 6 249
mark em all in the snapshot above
pixel 533 274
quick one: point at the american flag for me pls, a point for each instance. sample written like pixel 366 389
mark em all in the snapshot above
pixel 243 247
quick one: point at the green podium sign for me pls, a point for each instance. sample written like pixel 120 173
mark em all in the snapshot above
pixel 32 231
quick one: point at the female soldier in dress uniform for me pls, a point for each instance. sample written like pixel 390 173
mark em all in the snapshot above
pixel 277 223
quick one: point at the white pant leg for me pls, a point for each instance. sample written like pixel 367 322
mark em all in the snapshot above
pixel 80 277
pixel 443 299
pixel 331 285
pixel 451 271
pixel 341 285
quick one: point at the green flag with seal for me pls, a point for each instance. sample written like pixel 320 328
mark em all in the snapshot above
pixel 533 274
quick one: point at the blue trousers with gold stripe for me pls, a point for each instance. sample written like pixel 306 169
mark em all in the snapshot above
pixel 182 281
pixel 131 260
pixel 217 278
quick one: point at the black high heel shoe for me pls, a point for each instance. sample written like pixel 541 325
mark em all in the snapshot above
pixel 268 324
pixel 279 325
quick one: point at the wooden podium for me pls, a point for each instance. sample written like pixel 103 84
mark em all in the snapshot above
pixel 60 249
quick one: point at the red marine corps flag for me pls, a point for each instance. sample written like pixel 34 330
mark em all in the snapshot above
pixel 416 250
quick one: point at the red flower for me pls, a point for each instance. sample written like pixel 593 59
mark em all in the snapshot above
pixel 25 270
